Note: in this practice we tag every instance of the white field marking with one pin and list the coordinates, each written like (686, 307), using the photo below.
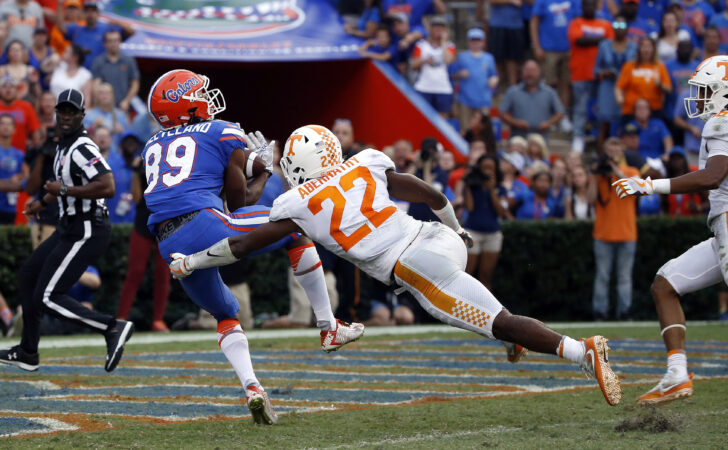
(52, 424)
(196, 336)
(419, 437)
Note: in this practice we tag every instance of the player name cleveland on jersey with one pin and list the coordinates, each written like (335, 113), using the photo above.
(350, 213)
(185, 167)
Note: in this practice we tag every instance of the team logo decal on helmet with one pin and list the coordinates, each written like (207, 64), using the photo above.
(179, 95)
(310, 152)
(708, 88)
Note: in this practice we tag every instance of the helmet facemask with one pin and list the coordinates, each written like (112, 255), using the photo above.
(213, 98)
(711, 95)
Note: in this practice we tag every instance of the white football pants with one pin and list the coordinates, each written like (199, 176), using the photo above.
(432, 268)
(704, 264)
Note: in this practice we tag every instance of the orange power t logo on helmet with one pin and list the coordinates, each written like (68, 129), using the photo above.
(724, 65)
(291, 140)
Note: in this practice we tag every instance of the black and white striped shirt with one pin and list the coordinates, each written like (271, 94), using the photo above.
(78, 161)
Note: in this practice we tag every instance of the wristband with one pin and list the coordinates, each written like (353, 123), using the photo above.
(661, 186)
(249, 164)
(447, 216)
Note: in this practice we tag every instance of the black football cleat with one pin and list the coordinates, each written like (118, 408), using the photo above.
(16, 356)
(116, 337)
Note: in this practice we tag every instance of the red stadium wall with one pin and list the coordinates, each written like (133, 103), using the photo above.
(279, 97)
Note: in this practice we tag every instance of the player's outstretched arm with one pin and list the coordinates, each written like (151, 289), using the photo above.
(715, 171)
(411, 189)
(227, 251)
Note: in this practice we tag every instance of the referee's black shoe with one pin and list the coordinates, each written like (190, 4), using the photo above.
(116, 337)
(16, 356)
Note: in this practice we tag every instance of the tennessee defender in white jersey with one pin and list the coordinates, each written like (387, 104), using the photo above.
(345, 206)
(705, 264)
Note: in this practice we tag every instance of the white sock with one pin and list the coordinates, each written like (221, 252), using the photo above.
(677, 364)
(234, 344)
(307, 268)
(571, 350)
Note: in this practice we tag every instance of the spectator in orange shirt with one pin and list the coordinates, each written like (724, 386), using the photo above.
(615, 231)
(644, 77)
(585, 34)
(71, 14)
(27, 125)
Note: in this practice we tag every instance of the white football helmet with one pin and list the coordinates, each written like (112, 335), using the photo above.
(709, 88)
(310, 152)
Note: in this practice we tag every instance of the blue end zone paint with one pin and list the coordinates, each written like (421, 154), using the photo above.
(9, 425)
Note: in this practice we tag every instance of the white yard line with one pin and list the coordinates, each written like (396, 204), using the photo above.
(196, 336)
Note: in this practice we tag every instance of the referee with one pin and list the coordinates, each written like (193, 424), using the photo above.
(82, 181)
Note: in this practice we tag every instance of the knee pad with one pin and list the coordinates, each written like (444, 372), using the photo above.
(304, 259)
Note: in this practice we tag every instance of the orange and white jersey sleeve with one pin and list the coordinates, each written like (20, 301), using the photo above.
(350, 213)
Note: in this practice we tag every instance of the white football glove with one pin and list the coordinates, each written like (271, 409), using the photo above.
(633, 186)
(264, 149)
(177, 266)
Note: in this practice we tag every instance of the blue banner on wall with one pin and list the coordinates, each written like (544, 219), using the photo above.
(233, 30)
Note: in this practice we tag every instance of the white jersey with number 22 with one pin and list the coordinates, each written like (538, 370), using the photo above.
(350, 213)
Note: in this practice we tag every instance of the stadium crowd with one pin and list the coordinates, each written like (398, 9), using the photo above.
(608, 76)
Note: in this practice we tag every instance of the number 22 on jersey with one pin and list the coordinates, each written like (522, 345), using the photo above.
(333, 193)
(179, 156)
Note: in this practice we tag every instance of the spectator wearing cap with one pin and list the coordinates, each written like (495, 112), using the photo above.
(655, 138)
(22, 16)
(637, 27)
(630, 136)
(42, 57)
(71, 74)
(118, 69)
(720, 22)
(549, 40)
(615, 232)
(105, 114)
(531, 106)
(692, 128)
(482, 200)
(611, 56)
(404, 38)
(697, 15)
(415, 10)
(13, 171)
(25, 74)
(644, 77)
(507, 42)
(431, 59)
(369, 20)
(72, 14)
(91, 35)
(380, 48)
(27, 125)
(477, 76)
(142, 246)
(585, 34)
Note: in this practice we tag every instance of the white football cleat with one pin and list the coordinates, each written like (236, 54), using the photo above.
(332, 340)
(671, 387)
(259, 405)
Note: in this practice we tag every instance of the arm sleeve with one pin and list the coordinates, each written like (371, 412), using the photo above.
(230, 138)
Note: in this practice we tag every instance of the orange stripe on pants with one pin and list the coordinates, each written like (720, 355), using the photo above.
(442, 301)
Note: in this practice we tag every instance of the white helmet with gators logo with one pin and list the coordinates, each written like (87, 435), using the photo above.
(310, 152)
(709, 85)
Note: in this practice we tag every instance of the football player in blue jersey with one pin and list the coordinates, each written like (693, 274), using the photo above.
(191, 164)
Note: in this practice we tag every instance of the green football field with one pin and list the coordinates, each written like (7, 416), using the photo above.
(409, 387)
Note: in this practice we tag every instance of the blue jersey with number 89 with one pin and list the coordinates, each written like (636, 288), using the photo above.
(185, 168)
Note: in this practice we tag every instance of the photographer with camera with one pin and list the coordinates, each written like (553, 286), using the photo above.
(615, 230)
(482, 199)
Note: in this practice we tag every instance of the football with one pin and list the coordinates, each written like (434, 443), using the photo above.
(254, 165)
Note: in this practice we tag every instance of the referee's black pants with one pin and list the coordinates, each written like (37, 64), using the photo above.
(53, 268)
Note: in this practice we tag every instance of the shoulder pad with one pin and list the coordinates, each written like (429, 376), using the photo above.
(716, 127)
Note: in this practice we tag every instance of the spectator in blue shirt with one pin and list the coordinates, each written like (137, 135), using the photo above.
(720, 21)
(637, 27)
(611, 56)
(106, 114)
(535, 203)
(655, 138)
(404, 39)
(475, 69)
(12, 170)
(91, 35)
(380, 48)
(693, 129)
(507, 42)
(548, 26)
(680, 70)
(697, 15)
(651, 11)
(711, 43)
(368, 21)
(122, 208)
(415, 9)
